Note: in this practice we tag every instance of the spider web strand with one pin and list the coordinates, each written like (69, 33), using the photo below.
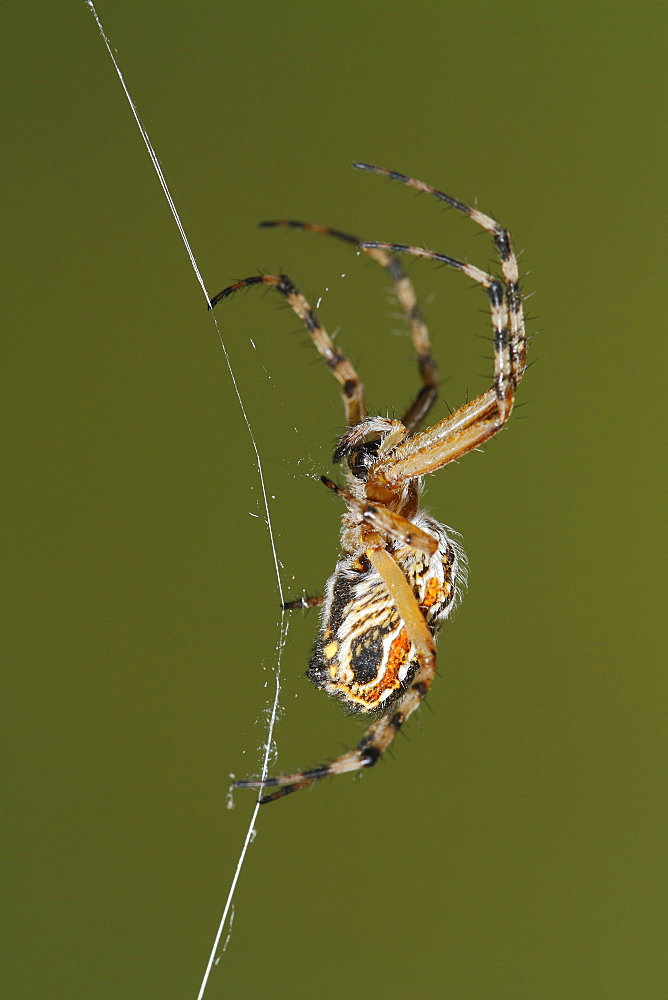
(265, 499)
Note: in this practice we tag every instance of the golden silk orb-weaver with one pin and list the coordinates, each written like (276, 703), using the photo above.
(401, 572)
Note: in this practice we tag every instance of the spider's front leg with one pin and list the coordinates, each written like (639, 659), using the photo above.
(403, 286)
(473, 424)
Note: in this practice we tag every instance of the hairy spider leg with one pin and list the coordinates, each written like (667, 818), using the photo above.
(387, 523)
(338, 363)
(378, 737)
(503, 383)
(303, 603)
(405, 292)
(438, 445)
(504, 247)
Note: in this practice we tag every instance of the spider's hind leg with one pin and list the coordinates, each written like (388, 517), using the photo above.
(380, 734)
(370, 748)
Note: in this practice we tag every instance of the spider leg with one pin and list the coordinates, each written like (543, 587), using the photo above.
(467, 428)
(474, 423)
(405, 293)
(386, 522)
(303, 602)
(504, 247)
(378, 737)
(338, 363)
(505, 379)
(370, 748)
(429, 451)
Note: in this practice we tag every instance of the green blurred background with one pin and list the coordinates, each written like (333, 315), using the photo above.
(512, 846)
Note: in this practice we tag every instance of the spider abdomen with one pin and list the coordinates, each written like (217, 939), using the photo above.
(363, 654)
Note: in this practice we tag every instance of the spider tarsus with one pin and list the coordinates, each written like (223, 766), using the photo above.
(219, 297)
(279, 794)
(256, 279)
(391, 175)
(311, 227)
(302, 603)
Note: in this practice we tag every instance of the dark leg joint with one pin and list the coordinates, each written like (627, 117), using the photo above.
(285, 286)
(495, 292)
(514, 297)
(397, 721)
(370, 755)
(502, 241)
(500, 339)
(396, 270)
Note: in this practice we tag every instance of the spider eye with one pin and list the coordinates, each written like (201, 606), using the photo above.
(361, 459)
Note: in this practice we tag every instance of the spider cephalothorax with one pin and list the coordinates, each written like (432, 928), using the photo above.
(401, 572)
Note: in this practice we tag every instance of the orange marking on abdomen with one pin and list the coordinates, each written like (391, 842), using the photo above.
(433, 593)
(371, 697)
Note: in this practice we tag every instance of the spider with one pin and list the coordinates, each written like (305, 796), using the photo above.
(401, 572)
